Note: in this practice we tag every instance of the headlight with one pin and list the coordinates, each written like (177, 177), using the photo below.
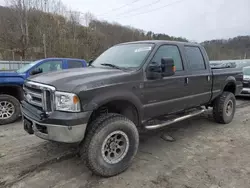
(68, 102)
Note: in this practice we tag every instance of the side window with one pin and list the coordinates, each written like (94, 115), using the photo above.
(51, 66)
(169, 51)
(195, 58)
(74, 64)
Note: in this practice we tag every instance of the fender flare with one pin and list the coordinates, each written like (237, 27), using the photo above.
(105, 98)
(230, 80)
(18, 95)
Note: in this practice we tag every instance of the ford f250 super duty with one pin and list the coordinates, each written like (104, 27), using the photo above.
(143, 85)
(11, 83)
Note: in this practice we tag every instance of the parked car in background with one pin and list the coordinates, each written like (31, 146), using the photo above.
(222, 65)
(238, 63)
(214, 64)
(242, 64)
(11, 82)
(246, 81)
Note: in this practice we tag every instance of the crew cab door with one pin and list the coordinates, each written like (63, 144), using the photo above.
(167, 94)
(199, 76)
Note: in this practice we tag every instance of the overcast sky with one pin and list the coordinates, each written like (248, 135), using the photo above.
(197, 20)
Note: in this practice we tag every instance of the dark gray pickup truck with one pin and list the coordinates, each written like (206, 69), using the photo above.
(130, 87)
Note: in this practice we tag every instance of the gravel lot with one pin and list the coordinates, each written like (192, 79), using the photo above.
(204, 154)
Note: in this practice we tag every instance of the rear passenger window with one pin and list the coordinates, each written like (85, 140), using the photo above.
(169, 51)
(74, 64)
(195, 58)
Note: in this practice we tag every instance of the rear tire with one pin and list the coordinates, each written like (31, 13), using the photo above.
(224, 108)
(9, 109)
(110, 145)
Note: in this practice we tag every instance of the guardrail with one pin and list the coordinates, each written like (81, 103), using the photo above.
(12, 65)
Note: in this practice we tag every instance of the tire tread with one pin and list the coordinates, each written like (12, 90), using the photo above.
(218, 107)
(95, 127)
(17, 108)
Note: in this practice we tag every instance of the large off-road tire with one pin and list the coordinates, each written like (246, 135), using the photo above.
(9, 109)
(224, 108)
(110, 145)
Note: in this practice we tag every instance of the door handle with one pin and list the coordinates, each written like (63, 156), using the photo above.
(208, 78)
(186, 80)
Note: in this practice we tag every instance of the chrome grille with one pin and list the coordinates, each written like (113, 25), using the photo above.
(39, 95)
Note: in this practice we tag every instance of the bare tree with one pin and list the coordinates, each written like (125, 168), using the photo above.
(45, 28)
(17, 25)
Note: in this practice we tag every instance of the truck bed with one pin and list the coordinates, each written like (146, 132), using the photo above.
(220, 76)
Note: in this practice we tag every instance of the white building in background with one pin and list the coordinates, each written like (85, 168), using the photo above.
(12, 65)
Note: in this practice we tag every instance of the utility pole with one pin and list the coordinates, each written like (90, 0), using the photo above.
(44, 36)
(44, 46)
(45, 5)
(13, 55)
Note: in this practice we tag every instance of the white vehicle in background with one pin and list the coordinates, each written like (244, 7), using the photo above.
(242, 64)
(221, 65)
(238, 63)
(246, 81)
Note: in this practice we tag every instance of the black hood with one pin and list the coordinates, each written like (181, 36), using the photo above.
(68, 80)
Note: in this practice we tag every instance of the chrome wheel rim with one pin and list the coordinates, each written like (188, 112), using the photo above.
(7, 109)
(115, 147)
(229, 108)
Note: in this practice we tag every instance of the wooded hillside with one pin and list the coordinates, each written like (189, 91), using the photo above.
(235, 48)
(31, 30)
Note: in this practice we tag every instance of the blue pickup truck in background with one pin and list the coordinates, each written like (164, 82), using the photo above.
(11, 82)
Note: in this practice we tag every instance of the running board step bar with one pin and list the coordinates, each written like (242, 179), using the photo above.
(175, 120)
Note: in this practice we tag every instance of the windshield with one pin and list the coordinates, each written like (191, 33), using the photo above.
(124, 56)
(246, 71)
(27, 67)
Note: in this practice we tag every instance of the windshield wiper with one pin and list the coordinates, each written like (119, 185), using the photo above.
(112, 65)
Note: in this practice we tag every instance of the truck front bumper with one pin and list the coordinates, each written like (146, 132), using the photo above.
(58, 126)
(245, 91)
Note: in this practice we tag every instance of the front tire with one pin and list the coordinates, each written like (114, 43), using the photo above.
(9, 109)
(110, 145)
(224, 108)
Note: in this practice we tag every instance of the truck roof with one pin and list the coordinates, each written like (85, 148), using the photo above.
(57, 58)
(162, 42)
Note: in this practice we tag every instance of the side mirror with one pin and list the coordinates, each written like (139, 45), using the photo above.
(36, 71)
(168, 67)
(154, 71)
(90, 62)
